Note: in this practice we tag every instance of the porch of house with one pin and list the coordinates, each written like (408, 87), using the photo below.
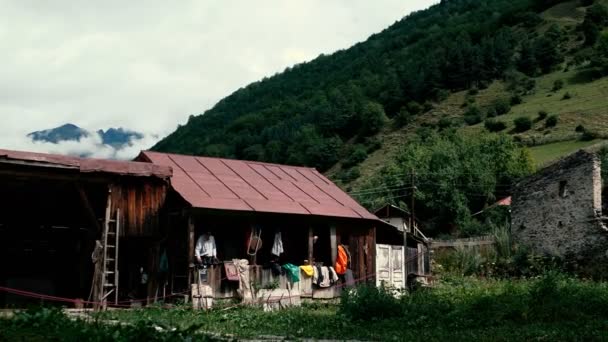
(306, 241)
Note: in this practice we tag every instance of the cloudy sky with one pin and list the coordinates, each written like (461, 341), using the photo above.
(148, 65)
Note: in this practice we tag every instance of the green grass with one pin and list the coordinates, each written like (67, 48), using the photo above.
(552, 307)
(545, 154)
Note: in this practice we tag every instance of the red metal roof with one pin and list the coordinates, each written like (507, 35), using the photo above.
(86, 165)
(225, 184)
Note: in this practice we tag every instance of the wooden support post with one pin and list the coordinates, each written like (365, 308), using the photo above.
(334, 244)
(310, 245)
(191, 242)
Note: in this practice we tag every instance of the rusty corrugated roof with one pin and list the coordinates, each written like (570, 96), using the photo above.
(225, 184)
(86, 165)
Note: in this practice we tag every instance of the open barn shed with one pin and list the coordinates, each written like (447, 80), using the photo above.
(54, 208)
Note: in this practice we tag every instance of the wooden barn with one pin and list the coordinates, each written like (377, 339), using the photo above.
(54, 208)
(125, 233)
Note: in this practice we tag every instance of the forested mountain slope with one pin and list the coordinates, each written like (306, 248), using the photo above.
(531, 72)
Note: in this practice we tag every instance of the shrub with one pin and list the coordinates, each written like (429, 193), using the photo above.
(551, 121)
(473, 91)
(372, 144)
(414, 107)
(491, 113)
(501, 106)
(444, 123)
(579, 128)
(567, 96)
(522, 124)
(557, 85)
(588, 135)
(368, 302)
(542, 115)
(403, 118)
(494, 125)
(358, 155)
(515, 100)
(473, 116)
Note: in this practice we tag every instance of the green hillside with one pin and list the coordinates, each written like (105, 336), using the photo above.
(488, 77)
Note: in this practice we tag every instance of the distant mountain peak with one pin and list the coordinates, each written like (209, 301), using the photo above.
(115, 137)
(67, 132)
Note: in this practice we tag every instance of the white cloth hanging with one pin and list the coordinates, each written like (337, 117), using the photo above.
(277, 247)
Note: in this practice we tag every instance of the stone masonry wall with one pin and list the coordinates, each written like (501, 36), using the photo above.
(555, 211)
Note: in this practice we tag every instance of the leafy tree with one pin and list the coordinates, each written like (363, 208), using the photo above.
(456, 175)
(372, 118)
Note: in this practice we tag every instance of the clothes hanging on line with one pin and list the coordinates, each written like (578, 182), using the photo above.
(308, 270)
(277, 247)
(205, 246)
(342, 260)
(293, 272)
(324, 276)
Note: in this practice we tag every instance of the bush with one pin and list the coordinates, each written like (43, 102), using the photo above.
(557, 85)
(473, 91)
(522, 124)
(473, 116)
(444, 123)
(515, 100)
(358, 155)
(369, 303)
(494, 125)
(501, 106)
(542, 115)
(579, 128)
(403, 118)
(588, 135)
(551, 121)
(567, 96)
(491, 113)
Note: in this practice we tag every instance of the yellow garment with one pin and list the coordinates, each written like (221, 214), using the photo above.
(308, 270)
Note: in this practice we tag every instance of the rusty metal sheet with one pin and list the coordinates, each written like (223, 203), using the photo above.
(263, 171)
(188, 164)
(260, 187)
(89, 164)
(240, 187)
(330, 210)
(316, 193)
(292, 191)
(281, 207)
(216, 166)
(295, 174)
(313, 177)
(280, 173)
(221, 204)
(211, 185)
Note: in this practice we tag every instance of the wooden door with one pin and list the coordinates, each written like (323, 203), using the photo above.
(389, 266)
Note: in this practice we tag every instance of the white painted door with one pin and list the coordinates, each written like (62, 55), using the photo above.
(389, 266)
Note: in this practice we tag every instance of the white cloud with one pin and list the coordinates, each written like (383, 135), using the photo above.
(148, 65)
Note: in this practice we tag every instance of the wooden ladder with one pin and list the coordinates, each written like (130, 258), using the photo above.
(110, 239)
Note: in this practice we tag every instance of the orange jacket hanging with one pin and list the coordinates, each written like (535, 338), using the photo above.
(341, 260)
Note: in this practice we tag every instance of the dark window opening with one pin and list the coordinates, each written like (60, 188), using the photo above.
(563, 189)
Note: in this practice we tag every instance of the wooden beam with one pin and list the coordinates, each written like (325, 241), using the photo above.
(88, 208)
(190, 237)
(334, 244)
(310, 245)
